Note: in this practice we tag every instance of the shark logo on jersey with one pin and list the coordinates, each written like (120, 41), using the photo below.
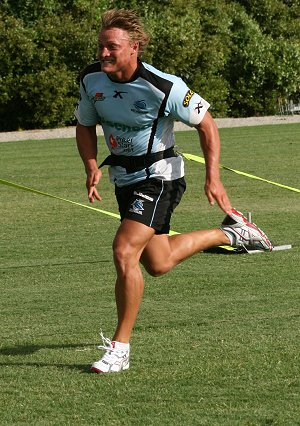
(99, 96)
(140, 107)
(140, 104)
(137, 207)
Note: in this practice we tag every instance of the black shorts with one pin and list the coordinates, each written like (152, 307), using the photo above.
(151, 202)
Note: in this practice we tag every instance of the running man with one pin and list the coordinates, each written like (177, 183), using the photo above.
(136, 105)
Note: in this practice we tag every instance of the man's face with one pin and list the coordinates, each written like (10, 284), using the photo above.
(117, 54)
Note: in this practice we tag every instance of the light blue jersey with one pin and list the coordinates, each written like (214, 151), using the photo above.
(138, 117)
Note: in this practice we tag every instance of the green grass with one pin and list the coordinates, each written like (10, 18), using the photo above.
(217, 339)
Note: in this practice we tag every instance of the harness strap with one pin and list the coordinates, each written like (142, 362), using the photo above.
(139, 162)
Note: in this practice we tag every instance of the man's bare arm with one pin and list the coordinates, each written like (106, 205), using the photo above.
(86, 138)
(210, 144)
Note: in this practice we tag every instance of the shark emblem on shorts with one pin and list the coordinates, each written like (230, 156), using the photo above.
(137, 206)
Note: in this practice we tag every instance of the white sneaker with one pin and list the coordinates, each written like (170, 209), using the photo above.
(243, 233)
(115, 359)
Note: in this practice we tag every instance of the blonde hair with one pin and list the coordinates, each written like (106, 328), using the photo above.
(129, 21)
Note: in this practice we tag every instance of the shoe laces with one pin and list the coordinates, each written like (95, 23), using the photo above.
(107, 344)
(112, 354)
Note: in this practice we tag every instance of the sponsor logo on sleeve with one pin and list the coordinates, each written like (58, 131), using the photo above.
(187, 98)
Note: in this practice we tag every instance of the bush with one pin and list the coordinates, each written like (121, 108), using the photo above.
(240, 55)
(41, 55)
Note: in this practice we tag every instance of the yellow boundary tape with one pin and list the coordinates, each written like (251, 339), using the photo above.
(46, 194)
(201, 160)
(192, 157)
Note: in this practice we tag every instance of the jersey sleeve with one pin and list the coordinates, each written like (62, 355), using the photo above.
(185, 105)
(85, 111)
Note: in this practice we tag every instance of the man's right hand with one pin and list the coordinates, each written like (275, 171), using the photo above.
(93, 178)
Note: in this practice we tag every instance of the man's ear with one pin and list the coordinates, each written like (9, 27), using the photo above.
(135, 46)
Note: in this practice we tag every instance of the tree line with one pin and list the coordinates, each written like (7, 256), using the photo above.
(242, 56)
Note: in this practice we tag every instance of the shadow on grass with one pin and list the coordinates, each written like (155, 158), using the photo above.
(220, 250)
(55, 264)
(30, 349)
(84, 368)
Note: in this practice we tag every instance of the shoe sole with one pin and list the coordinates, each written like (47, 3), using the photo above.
(96, 370)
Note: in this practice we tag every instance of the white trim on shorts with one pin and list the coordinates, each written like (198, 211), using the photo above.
(158, 198)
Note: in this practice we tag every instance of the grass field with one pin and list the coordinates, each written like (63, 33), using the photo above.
(217, 339)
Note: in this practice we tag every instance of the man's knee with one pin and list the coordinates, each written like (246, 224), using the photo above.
(122, 251)
(156, 270)
(130, 241)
